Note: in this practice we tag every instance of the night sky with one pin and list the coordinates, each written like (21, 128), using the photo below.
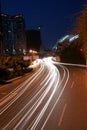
(55, 17)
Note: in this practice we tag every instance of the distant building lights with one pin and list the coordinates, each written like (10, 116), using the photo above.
(30, 51)
(6, 49)
(39, 28)
(9, 31)
(73, 38)
(24, 52)
(81, 49)
(33, 51)
(20, 50)
(62, 39)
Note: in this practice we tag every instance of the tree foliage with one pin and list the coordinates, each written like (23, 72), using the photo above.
(81, 29)
(72, 54)
(13, 66)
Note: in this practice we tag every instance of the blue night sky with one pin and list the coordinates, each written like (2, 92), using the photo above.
(54, 16)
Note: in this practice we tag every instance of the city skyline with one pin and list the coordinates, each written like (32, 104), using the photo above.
(55, 18)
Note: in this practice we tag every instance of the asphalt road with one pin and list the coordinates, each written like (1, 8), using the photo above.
(53, 98)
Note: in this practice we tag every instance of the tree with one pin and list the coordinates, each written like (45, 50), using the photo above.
(81, 29)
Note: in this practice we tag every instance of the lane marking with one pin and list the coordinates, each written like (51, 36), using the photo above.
(72, 84)
(64, 68)
(62, 115)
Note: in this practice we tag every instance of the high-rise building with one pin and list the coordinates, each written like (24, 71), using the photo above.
(33, 39)
(14, 36)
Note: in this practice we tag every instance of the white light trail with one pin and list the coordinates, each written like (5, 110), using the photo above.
(49, 79)
(56, 100)
(41, 98)
(20, 90)
(47, 86)
(44, 109)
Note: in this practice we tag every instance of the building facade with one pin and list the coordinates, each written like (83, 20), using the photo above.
(33, 39)
(14, 37)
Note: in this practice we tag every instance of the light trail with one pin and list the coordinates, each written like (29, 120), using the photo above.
(20, 90)
(50, 98)
(37, 103)
(41, 99)
(56, 100)
(44, 108)
(46, 82)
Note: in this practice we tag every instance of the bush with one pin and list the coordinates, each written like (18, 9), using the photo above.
(16, 63)
(73, 55)
(4, 74)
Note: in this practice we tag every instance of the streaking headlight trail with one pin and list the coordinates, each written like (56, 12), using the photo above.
(33, 98)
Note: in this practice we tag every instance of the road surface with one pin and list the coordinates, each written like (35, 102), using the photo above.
(53, 98)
